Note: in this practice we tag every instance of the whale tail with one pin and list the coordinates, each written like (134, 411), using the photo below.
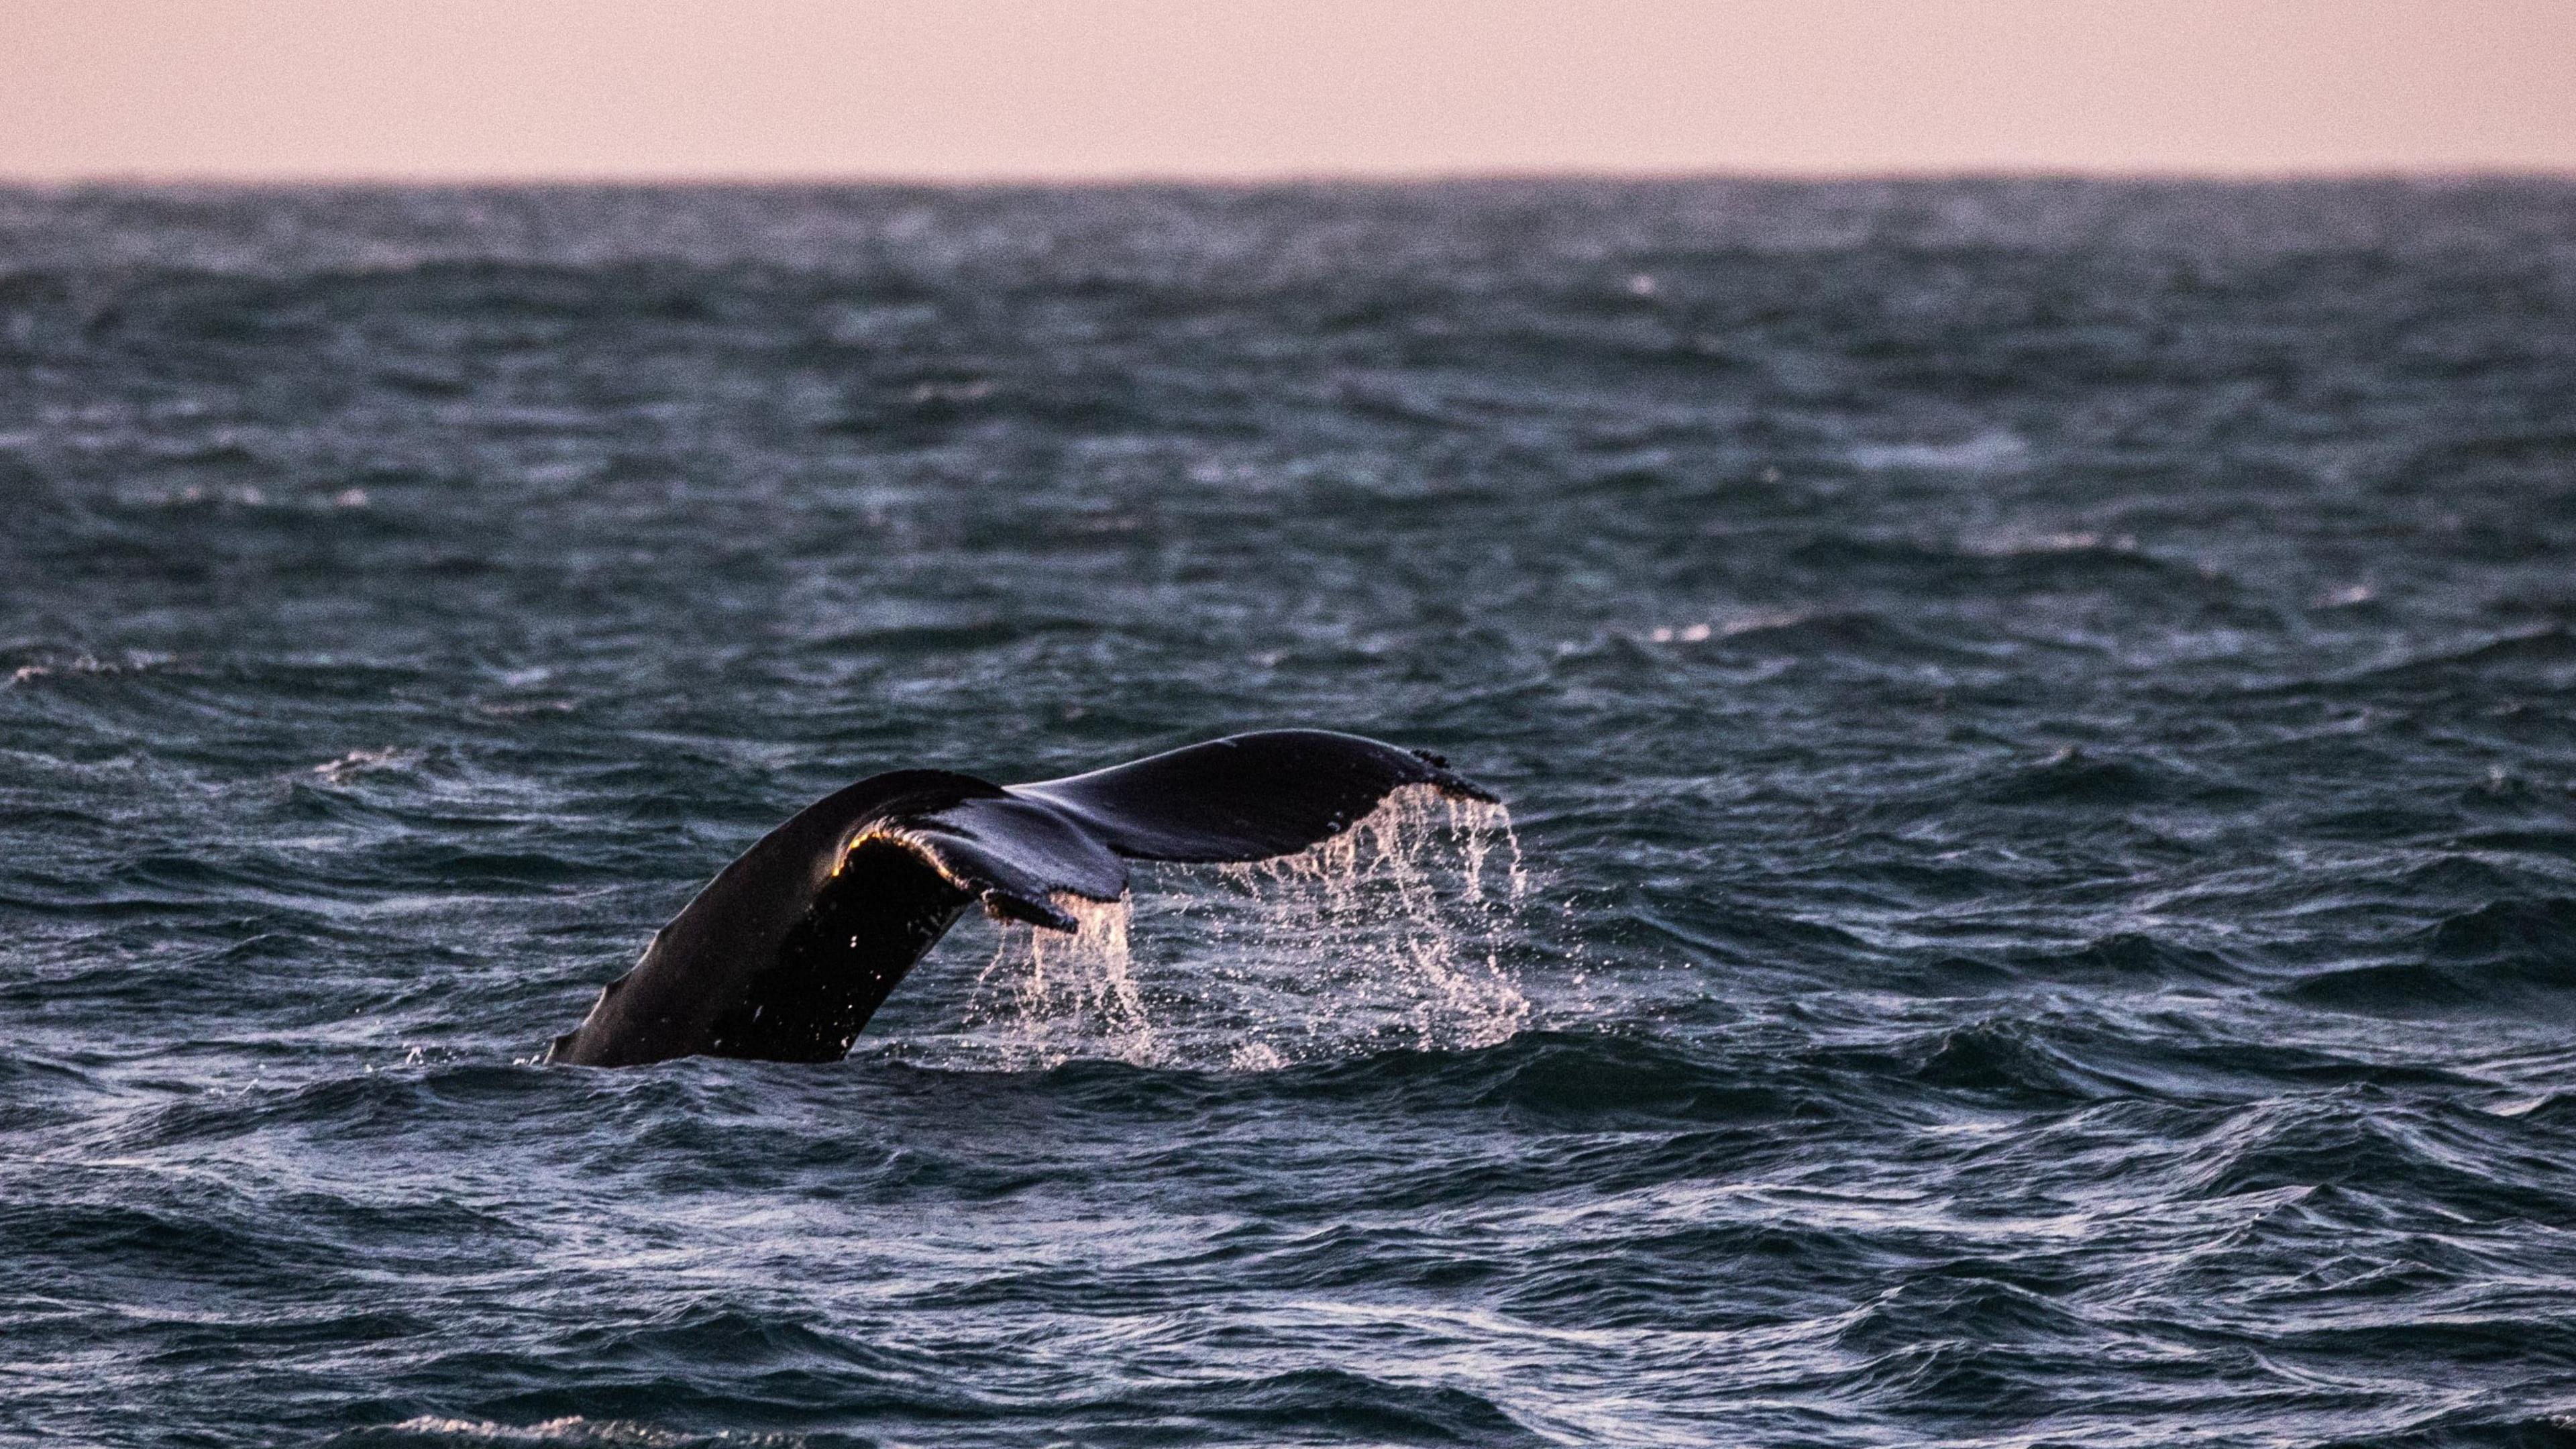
(1250, 797)
(790, 949)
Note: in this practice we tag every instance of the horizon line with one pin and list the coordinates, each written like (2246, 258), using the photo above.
(1253, 181)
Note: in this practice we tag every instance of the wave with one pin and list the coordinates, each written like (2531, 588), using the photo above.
(2545, 655)
(2356, 1162)
(2126, 960)
(2019, 1059)
(2073, 776)
(2074, 560)
(2505, 956)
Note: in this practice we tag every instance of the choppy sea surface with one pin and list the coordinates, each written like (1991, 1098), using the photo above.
(2039, 901)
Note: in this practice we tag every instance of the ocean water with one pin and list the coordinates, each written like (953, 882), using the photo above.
(2038, 903)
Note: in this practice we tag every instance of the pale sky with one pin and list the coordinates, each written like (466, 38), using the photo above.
(1092, 89)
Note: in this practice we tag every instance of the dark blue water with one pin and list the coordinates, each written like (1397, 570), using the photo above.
(2040, 721)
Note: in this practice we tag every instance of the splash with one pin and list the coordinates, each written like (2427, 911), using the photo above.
(1390, 934)
(1061, 994)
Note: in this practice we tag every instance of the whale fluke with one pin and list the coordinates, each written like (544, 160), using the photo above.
(790, 949)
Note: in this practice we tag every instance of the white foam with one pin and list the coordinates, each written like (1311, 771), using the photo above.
(132, 661)
(571, 1429)
(1993, 451)
(359, 762)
